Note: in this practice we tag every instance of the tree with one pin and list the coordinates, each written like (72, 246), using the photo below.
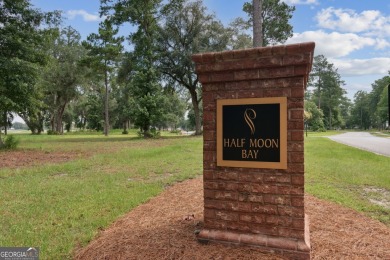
(360, 114)
(375, 96)
(21, 37)
(63, 77)
(273, 21)
(173, 107)
(257, 23)
(186, 29)
(314, 116)
(383, 107)
(103, 52)
(328, 93)
(146, 89)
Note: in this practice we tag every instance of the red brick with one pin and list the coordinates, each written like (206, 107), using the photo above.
(283, 92)
(296, 168)
(296, 157)
(263, 52)
(298, 92)
(226, 195)
(301, 70)
(209, 213)
(255, 198)
(250, 94)
(208, 194)
(204, 78)
(245, 187)
(208, 175)
(295, 103)
(221, 77)
(227, 55)
(295, 147)
(296, 212)
(214, 224)
(209, 156)
(278, 50)
(245, 75)
(264, 229)
(209, 136)
(272, 178)
(277, 199)
(258, 218)
(297, 190)
(226, 175)
(209, 146)
(208, 116)
(245, 207)
(208, 57)
(265, 202)
(269, 61)
(298, 180)
(265, 209)
(245, 217)
(298, 223)
(278, 220)
(296, 135)
(239, 54)
(227, 216)
(250, 177)
(291, 233)
(295, 114)
(291, 125)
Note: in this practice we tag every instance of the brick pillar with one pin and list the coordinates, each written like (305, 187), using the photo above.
(259, 207)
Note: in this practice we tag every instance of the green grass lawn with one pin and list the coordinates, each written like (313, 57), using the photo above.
(348, 176)
(61, 207)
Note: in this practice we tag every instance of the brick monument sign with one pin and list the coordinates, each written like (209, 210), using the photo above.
(253, 147)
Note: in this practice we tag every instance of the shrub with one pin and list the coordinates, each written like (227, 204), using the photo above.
(176, 131)
(9, 142)
(50, 132)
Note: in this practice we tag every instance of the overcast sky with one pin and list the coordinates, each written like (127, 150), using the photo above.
(352, 34)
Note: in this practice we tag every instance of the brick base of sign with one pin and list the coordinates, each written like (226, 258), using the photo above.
(291, 248)
(260, 206)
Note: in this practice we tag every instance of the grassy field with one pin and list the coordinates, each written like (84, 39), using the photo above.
(348, 176)
(60, 207)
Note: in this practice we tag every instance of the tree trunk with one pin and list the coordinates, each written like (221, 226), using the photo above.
(59, 128)
(5, 123)
(195, 104)
(1, 140)
(257, 23)
(106, 117)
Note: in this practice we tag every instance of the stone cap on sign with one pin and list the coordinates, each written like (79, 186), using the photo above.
(281, 61)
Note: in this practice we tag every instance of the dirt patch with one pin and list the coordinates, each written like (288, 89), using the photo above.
(24, 158)
(378, 196)
(165, 227)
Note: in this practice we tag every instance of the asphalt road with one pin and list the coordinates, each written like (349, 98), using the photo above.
(364, 141)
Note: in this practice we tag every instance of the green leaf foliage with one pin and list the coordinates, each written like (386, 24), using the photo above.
(275, 16)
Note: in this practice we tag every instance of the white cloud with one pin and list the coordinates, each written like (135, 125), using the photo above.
(300, 2)
(334, 44)
(360, 67)
(369, 22)
(71, 14)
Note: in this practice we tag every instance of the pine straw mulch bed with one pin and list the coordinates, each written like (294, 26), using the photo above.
(164, 228)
